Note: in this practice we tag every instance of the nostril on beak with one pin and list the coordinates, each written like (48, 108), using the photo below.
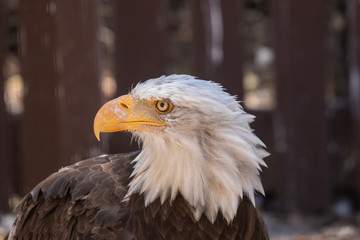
(123, 105)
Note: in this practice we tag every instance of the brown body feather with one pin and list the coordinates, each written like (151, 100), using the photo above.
(85, 201)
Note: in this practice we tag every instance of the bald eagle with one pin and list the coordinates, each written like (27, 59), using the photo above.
(195, 177)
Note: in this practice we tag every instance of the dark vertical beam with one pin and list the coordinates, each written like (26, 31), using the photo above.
(140, 32)
(199, 53)
(354, 63)
(40, 150)
(3, 145)
(77, 67)
(59, 65)
(217, 42)
(5, 172)
(140, 41)
(300, 64)
(231, 69)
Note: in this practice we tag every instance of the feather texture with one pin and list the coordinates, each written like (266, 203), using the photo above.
(84, 201)
(81, 201)
(207, 151)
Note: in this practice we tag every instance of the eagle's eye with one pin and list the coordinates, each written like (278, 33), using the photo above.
(163, 106)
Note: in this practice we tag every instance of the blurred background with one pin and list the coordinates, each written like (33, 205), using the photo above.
(294, 64)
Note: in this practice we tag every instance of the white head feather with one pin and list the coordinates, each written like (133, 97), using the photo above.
(207, 151)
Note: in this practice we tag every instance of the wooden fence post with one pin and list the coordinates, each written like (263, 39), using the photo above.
(5, 168)
(300, 28)
(217, 42)
(59, 54)
(354, 73)
(140, 32)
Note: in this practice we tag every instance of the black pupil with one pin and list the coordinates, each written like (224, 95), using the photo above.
(162, 105)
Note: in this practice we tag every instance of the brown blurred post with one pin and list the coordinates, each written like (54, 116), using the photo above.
(354, 58)
(3, 145)
(5, 173)
(59, 51)
(217, 42)
(140, 31)
(300, 28)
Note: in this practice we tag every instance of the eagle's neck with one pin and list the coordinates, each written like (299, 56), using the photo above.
(211, 175)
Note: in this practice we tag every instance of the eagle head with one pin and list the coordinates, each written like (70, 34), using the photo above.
(196, 141)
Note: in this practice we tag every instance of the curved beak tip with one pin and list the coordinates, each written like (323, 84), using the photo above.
(97, 129)
(97, 135)
(107, 117)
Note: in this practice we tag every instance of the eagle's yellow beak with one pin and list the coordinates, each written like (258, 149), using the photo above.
(125, 113)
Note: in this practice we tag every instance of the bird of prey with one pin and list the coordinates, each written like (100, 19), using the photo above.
(194, 178)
